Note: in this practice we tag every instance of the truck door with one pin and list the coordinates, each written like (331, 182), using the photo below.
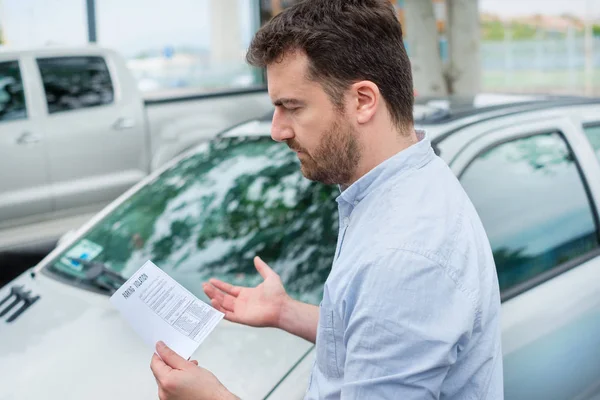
(24, 182)
(95, 131)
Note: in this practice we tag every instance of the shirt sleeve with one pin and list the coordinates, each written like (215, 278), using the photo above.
(404, 327)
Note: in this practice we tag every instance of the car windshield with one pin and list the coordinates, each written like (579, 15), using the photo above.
(210, 214)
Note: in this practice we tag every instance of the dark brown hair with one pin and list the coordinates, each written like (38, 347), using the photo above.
(346, 41)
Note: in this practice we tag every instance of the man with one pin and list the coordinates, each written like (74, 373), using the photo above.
(411, 308)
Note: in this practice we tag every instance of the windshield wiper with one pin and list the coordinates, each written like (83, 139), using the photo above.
(111, 280)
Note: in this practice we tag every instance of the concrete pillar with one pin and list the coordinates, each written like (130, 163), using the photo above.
(589, 51)
(226, 43)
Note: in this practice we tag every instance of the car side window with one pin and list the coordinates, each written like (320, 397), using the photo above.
(592, 132)
(534, 206)
(73, 83)
(12, 93)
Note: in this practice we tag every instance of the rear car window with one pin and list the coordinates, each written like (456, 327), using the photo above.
(534, 206)
(12, 94)
(73, 83)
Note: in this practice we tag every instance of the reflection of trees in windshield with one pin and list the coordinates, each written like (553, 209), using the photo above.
(213, 212)
(299, 237)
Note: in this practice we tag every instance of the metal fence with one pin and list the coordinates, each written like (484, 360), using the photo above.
(555, 65)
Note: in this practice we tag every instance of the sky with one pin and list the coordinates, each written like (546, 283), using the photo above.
(131, 26)
(127, 25)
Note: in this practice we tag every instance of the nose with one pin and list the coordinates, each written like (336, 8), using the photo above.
(280, 128)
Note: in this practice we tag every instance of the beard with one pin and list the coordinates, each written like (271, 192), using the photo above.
(335, 159)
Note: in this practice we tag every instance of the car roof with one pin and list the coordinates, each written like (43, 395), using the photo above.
(440, 109)
(448, 110)
(442, 116)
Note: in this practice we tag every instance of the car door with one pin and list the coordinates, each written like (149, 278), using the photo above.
(24, 184)
(95, 131)
(535, 190)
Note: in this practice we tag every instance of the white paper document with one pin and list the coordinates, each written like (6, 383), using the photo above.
(159, 308)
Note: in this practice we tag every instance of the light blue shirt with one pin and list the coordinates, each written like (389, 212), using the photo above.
(411, 308)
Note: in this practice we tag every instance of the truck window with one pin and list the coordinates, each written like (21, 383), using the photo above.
(12, 95)
(73, 83)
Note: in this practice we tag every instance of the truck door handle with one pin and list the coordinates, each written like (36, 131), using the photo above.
(28, 138)
(123, 123)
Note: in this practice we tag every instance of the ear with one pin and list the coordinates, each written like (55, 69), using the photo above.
(367, 96)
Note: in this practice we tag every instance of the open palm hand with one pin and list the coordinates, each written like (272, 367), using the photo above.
(260, 306)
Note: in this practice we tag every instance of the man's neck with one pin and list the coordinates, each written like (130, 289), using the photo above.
(376, 152)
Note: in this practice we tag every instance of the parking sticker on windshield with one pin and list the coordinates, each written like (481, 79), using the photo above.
(85, 249)
(158, 308)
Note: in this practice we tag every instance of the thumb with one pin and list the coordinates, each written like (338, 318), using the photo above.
(263, 269)
(170, 358)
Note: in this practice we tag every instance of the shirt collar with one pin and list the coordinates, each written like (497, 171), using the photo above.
(412, 157)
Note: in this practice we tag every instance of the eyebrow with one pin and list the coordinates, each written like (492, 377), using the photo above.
(288, 102)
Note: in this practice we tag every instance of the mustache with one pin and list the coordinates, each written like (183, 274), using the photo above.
(295, 146)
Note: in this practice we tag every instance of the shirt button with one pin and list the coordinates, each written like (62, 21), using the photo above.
(346, 221)
(355, 202)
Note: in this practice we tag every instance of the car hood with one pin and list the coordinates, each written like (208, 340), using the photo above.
(72, 344)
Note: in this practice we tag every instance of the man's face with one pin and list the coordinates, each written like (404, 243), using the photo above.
(311, 125)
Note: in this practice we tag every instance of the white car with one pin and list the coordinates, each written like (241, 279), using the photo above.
(529, 164)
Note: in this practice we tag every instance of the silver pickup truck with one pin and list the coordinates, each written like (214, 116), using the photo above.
(75, 133)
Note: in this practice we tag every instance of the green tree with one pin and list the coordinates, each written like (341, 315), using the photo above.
(492, 30)
(496, 31)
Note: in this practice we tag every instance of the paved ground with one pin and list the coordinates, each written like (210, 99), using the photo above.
(13, 264)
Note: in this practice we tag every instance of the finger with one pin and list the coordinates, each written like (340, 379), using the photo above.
(263, 269)
(217, 306)
(194, 362)
(229, 303)
(232, 317)
(226, 287)
(219, 299)
(221, 306)
(212, 292)
(159, 368)
(170, 358)
(229, 315)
